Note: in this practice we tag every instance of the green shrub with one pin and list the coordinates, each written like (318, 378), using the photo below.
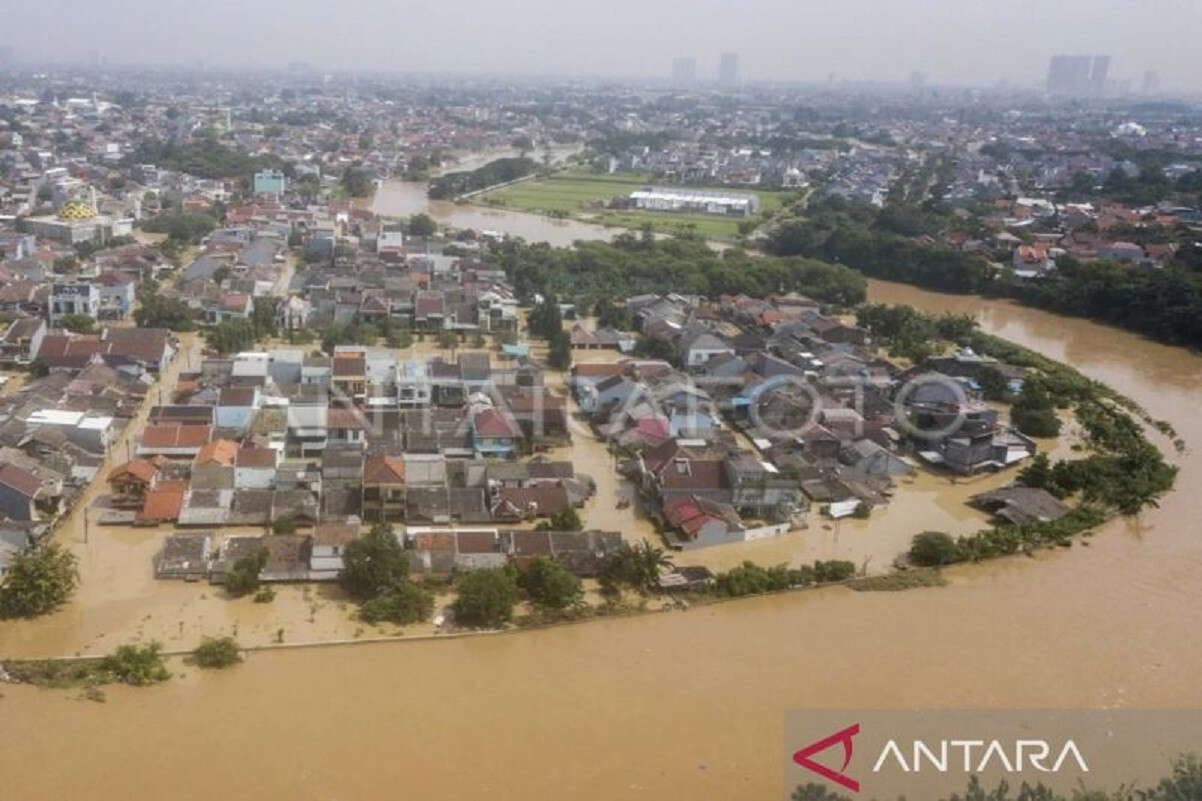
(243, 577)
(550, 585)
(217, 652)
(933, 548)
(404, 603)
(486, 598)
(136, 664)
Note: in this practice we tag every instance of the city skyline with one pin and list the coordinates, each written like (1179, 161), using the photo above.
(859, 41)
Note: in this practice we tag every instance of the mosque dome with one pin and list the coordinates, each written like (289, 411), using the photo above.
(76, 210)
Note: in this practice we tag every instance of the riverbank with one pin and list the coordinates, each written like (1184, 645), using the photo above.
(584, 196)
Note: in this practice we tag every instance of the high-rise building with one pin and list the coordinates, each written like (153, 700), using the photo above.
(684, 71)
(728, 70)
(1074, 75)
(1151, 81)
(1101, 71)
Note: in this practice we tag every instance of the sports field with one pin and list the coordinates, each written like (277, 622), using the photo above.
(584, 195)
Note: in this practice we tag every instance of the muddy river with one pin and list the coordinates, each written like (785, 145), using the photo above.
(677, 704)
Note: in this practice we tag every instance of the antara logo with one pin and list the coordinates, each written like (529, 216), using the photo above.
(943, 756)
(844, 738)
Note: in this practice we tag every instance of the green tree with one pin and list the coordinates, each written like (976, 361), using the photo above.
(356, 182)
(136, 664)
(422, 225)
(546, 319)
(833, 570)
(566, 519)
(1184, 784)
(448, 340)
(243, 576)
(993, 383)
(658, 347)
(285, 525)
(373, 564)
(1038, 473)
(934, 548)
(636, 566)
(79, 323)
(263, 317)
(181, 227)
(231, 336)
(404, 339)
(39, 580)
(550, 585)
(1034, 412)
(486, 597)
(403, 602)
(217, 652)
(156, 311)
(559, 354)
(815, 792)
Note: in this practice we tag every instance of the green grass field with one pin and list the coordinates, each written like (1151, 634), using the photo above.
(583, 195)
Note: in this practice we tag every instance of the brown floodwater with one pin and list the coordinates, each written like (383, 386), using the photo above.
(674, 704)
(405, 198)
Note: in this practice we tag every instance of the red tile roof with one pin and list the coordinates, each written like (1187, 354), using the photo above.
(491, 423)
(20, 480)
(222, 451)
(168, 435)
(137, 468)
(383, 470)
(163, 502)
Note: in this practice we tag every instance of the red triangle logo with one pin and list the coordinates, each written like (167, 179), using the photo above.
(803, 757)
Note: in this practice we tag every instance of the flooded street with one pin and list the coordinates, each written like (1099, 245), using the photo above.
(680, 704)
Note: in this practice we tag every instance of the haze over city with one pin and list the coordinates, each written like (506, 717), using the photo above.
(727, 399)
(784, 40)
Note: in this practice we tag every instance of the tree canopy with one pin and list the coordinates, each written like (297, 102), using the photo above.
(39, 580)
(486, 597)
(373, 563)
(495, 172)
(550, 585)
(632, 265)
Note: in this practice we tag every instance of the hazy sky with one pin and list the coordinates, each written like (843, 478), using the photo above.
(955, 41)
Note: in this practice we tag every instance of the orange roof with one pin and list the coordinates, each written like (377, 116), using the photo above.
(168, 435)
(163, 502)
(138, 468)
(220, 451)
(383, 470)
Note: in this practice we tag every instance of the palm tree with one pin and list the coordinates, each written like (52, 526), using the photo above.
(648, 560)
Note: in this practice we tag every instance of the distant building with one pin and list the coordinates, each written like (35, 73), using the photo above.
(728, 70)
(76, 298)
(1078, 75)
(75, 222)
(1100, 74)
(684, 71)
(1151, 81)
(705, 201)
(270, 182)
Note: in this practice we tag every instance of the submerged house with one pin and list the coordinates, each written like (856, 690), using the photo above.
(1021, 506)
(698, 522)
